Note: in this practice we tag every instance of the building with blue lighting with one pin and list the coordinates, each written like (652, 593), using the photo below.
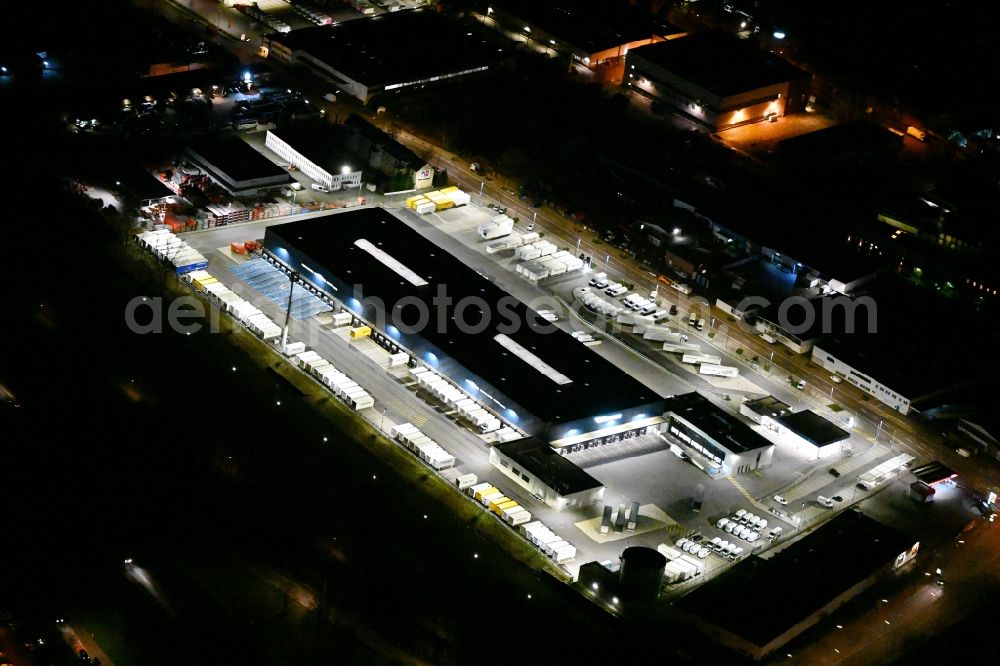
(419, 299)
(727, 442)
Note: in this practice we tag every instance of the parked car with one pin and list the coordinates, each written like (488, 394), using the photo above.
(531, 226)
(780, 500)
(834, 473)
(835, 379)
(837, 498)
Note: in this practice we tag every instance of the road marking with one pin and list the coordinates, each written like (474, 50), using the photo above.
(404, 410)
(739, 487)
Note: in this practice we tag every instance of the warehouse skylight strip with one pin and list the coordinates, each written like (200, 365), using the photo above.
(532, 360)
(389, 261)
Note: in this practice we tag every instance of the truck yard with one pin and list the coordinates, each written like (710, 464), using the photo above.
(428, 423)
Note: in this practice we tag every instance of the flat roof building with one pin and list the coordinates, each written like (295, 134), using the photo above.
(731, 445)
(453, 320)
(766, 407)
(390, 52)
(544, 473)
(589, 31)
(810, 430)
(716, 79)
(236, 167)
(145, 188)
(883, 365)
(319, 151)
(851, 551)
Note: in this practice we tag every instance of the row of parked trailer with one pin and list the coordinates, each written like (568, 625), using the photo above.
(500, 226)
(248, 314)
(313, 14)
(550, 543)
(494, 500)
(170, 248)
(551, 265)
(680, 567)
(338, 382)
(538, 249)
(422, 446)
(511, 242)
(467, 408)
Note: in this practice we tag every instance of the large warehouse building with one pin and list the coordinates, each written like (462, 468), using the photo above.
(390, 52)
(421, 299)
(716, 79)
(591, 32)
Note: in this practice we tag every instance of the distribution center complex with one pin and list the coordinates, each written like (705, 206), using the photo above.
(420, 299)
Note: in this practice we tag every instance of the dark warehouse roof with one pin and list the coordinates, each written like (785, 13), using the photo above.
(719, 62)
(846, 551)
(723, 427)
(596, 387)
(555, 471)
(397, 47)
(813, 428)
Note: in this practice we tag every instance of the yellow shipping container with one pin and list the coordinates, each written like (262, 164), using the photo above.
(204, 282)
(486, 491)
(497, 502)
(500, 508)
(411, 202)
(449, 190)
(360, 332)
(445, 205)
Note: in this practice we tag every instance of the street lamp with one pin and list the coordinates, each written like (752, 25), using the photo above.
(293, 278)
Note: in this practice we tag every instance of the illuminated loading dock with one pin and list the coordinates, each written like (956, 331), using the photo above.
(729, 444)
(534, 376)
